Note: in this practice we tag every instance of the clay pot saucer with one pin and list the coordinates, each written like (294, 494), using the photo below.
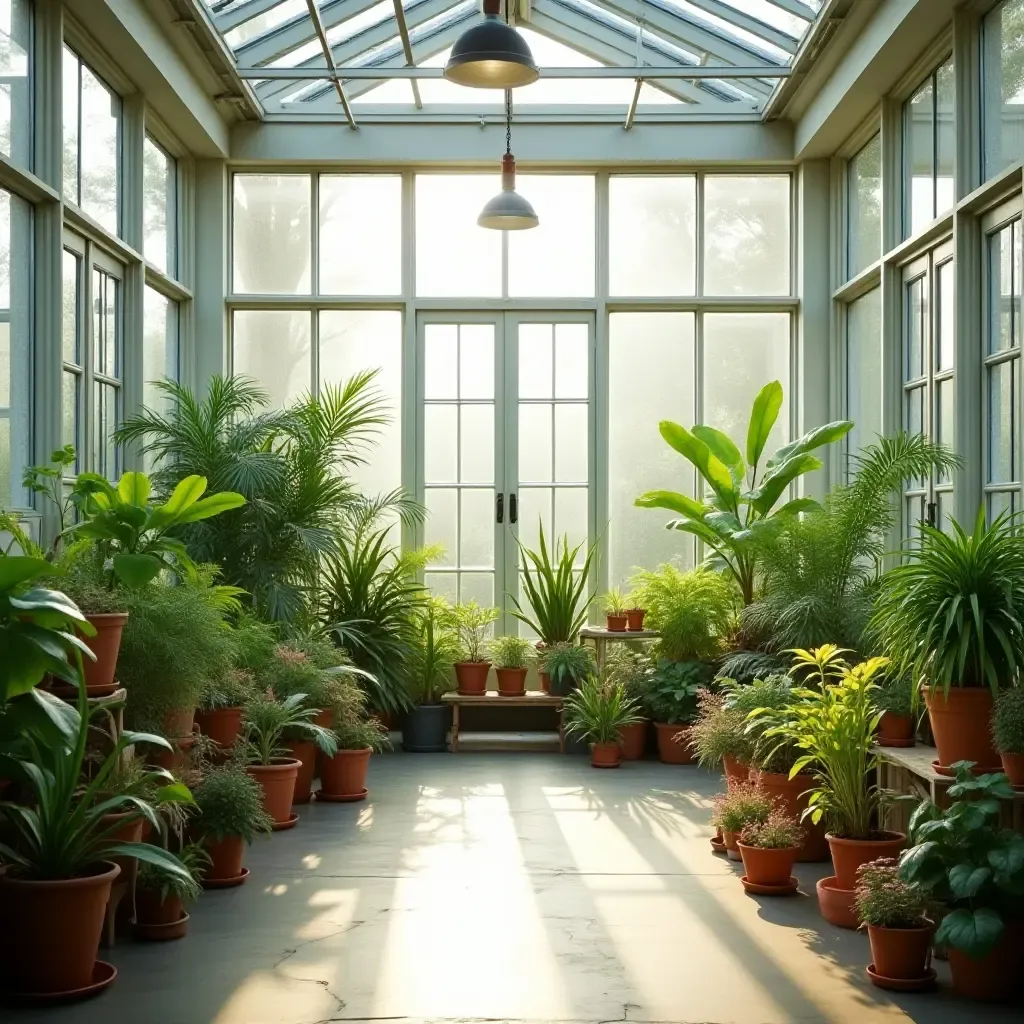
(884, 742)
(226, 883)
(717, 846)
(949, 773)
(103, 974)
(922, 984)
(789, 889)
(162, 932)
(341, 798)
(281, 826)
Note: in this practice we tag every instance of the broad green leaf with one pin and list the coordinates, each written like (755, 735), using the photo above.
(151, 855)
(762, 418)
(16, 569)
(136, 570)
(134, 489)
(965, 880)
(774, 485)
(673, 502)
(723, 448)
(972, 932)
(187, 493)
(812, 439)
(797, 505)
(708, 465)
(207, 507)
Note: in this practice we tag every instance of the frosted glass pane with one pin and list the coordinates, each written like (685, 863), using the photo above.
(479, 587)
(477, 440)
(272, 234)
(571, 449)
(477, 529)
(273, 347)
(945, 415)
(916, 327)
(535, 444)
(444, 585)
(652, 235)
(441, 361)
(536, 361)
(945, 138)
(1002, 91)
(69, 307)
(441, 526)
(746, 235)
(650, 378)
(100, 145)
(16, 108)
(534, 508)
(742, 353)
(440, 443)
(476, 361)
(159, 194)
(865, 207)
(571, 363)
(69, 116)
(571, 518)
(556, 258)
(360, 234)
(864, 369)
(919, 157)
(1002, 301)
(454, 255)
(159, 347)
(352, 341)
(947, 319)
(1002, 461)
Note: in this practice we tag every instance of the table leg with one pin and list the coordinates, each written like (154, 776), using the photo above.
(601, 654)
(561, 729)
(455, 728)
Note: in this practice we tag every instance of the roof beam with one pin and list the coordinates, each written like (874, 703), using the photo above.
(403, 31)
(769, 33)
(631, 113)
(314, 14)
(380, 71)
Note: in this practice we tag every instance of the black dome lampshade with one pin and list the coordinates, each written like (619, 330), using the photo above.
(508, 210)
(491, 55)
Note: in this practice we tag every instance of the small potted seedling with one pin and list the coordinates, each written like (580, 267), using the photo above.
(595, 712)
(472, 626)
(1008, 732)
(635, 615)
(615, 611)
(768, 849)
(160, 898)
(895, 699)
(511, 656)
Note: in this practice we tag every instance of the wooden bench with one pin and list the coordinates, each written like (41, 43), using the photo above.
(532, 699)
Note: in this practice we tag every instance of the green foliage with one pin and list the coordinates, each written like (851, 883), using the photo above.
(255, 642)
(719, 731)
(596, 711)
(231, 690)
(614, 603)
(289, 465)
(292, 671)
(555, 588)
(195, 860)
(742, 806)
(87, 583)
(745, 493)
(48, 481)
(628, 665)
(746, 666)
(230, 803)
(266, 720)
(895, 694)
(779, 831)
(694, 610)
(511, 652)
(672, 689)
(1008, 721)
(434, 652)
(473, 625)
(568, 666)
(754, 702)
(885, 899)
(360, 733)
(953, 615)
(967, 862)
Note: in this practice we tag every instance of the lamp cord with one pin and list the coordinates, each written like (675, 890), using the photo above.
(508, 120)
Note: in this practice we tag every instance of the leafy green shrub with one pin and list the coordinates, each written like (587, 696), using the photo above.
(510, 652)
(673, 686)
(360, 733)
(88, 585)
(719, 731)
(895, 695)
(568, 665)
(473, 625)
(231, 690)
(775, 695)
(596, 711)
(267, 722)
(740, 807)
(779, 831)
(230, 803)
(433, 653)
(1008, 721)
(195, 860)
(885, 900)
(629, 665)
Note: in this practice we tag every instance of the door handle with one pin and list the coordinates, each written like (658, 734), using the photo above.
(513, 509)
(499, 508)
(933, 509)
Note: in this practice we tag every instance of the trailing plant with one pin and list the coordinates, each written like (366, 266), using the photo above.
(745, 493)
(360, 733)
(779, 831)
(266, 720)
(719, 732)
(229, 803)
(1008, 721)
(895, 694)
(195, 860)
(966, 862)
(473, 626)
(568, 665)
(742, 806)
(511, 652)
(774, 695)
(693, 610)
(884, 899)
(673, 686)
(953, 615)
(597, 710)
(291, 466)
(555, 588)
(433, 654)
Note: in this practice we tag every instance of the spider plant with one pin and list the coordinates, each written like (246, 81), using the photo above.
(266, 720)
(599, 709)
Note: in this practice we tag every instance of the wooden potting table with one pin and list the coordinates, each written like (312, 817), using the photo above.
(600, 638)
(493, 699)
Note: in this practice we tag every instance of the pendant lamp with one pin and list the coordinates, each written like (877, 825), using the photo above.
(508, 210)
(491, 55)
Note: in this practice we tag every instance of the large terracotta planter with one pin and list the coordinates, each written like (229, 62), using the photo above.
(174, 759)
(671, 751)
(900, 953)
(303, 751)
(344, 774)
(106, 644)
(324, 718)
(1013, 765)
(997, 977)
(226, 859)
(633, 741)
(767, 867)
(961, 724)
(895, 731)
(792, 795)
(51, 931)
(849, 854)
(278, 782)
(737, 772)
(605, 755)
(222, 725)
(511, 681)
(472, 677)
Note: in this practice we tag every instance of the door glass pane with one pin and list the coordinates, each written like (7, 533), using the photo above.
(273, 347)
(476, 361)
(442, 524)
(476, 444)
(571, 364)
(536, 443)
(1001, 423)
(441, 428)
(947, 318)
(572, 518)
(916, 328)
(571, 449)
(477, 519)
(919, 157)
(536, 364)
(441, 361)
(271, 234)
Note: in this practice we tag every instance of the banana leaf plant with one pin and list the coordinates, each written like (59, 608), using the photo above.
(744, 493)
(134, 536)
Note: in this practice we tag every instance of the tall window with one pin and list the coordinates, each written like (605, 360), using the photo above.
(15, 81)
(160, 207)
(92, 143)
(864, 208)
(160, 359)
(1003, 86)
(929, 150)
(864, 370)
(74, 358)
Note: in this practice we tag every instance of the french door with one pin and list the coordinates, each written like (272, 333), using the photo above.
(505, 443)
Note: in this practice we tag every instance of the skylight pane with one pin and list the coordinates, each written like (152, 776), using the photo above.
(264, 23)
(727, 29)
(771, 15)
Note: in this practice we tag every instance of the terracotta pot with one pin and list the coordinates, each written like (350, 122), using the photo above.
(635, 619)
(961, 723)
(737, 772)
(732, 845)
(1013, 765)
(345, 773)
(472, 676)
(633, 741)
(324, 718)
(837, 905)
(545, 682)
(173, 759)
(995, 978)
(129, 831)
(222, 725)
(616, 623)
(278, 782)
(303, 751)
(511, 681)
(900, 952)
(895, 731)
(179, 722)
(51, 932)
(849, 854)
(151, 908)
(767, 867)
(669, 750)
(100, 674)
(605, 755)
(226, 857)
(792, 795)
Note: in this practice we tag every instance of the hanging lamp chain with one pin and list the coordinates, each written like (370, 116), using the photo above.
(508, 120)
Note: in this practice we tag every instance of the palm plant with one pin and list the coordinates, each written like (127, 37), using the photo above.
(598, 710)
(289, 466)
(555, 588)
(266, 720)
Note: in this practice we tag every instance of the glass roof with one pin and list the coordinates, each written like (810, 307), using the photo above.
(312, 57)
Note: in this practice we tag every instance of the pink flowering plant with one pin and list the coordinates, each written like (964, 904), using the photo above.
(779, 831)
(885, 900)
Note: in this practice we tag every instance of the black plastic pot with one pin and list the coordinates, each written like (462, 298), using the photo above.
(425, 729)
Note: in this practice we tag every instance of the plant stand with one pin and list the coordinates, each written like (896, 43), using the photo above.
(600, 638)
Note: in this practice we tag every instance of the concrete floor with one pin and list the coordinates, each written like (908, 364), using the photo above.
(505, 887)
